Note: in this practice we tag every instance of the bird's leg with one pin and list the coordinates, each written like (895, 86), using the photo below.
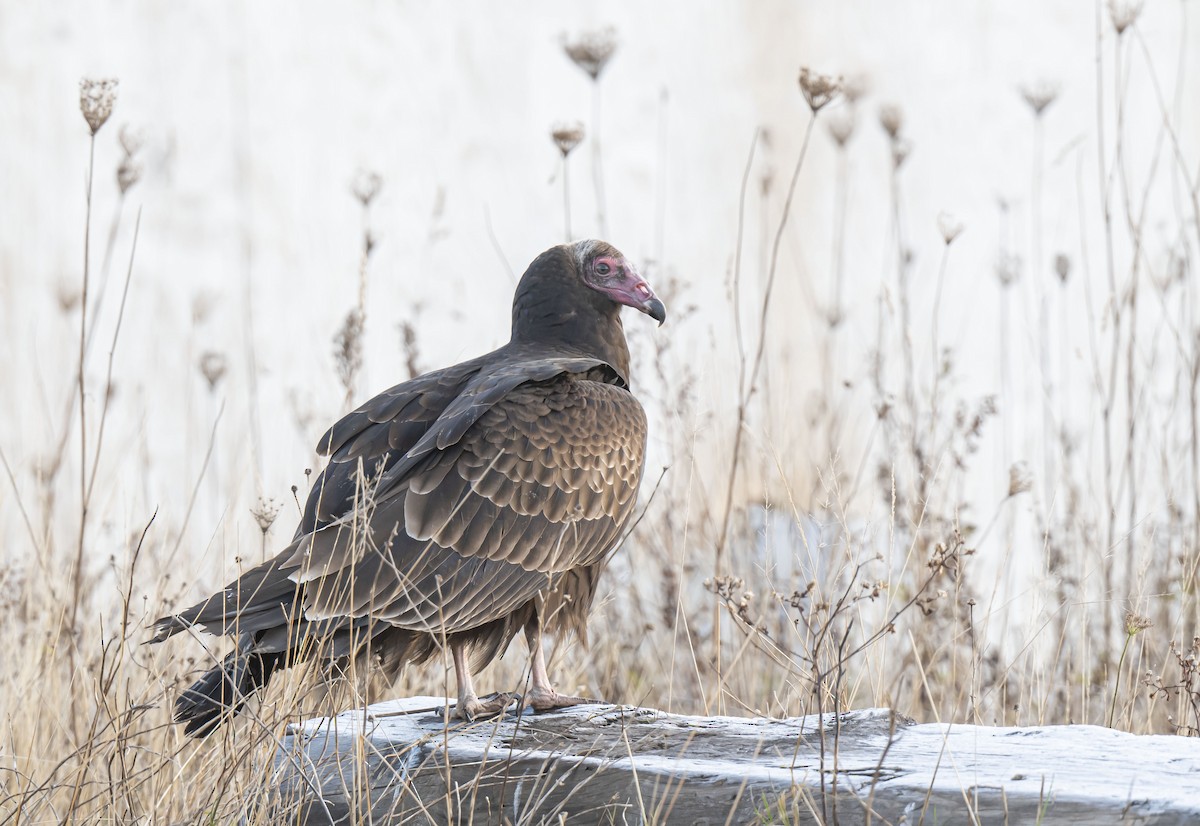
(469, 705)
(541, 695)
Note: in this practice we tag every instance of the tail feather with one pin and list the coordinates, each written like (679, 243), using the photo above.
(223, 690)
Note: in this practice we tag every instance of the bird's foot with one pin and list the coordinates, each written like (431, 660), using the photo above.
(542, 699)
(472, 708)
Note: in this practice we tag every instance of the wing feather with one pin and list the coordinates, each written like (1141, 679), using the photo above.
(525, 495)
(527, 476)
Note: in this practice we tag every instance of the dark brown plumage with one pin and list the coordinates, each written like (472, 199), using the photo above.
(457, 508)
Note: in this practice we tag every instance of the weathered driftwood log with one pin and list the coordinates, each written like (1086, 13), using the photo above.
(400, 763)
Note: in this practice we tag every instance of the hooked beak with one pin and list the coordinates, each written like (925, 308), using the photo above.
(633, 291)
(655, 309)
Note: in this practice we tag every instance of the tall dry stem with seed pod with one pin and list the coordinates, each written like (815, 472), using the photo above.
(857, 498)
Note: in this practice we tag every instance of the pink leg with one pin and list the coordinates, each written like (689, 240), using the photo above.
(541, 695)
(469, 705)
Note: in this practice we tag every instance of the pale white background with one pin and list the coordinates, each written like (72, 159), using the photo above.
(257, 115)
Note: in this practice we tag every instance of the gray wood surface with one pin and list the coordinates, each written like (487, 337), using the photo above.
(398, 762)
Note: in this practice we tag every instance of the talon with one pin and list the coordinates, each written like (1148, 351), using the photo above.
(472, 708)
(540, 699)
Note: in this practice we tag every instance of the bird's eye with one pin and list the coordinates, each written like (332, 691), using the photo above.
(603, 268)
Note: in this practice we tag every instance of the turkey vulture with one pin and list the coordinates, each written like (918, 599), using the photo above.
(457, 508)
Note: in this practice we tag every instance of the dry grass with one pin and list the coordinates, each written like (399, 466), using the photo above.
(788, 562)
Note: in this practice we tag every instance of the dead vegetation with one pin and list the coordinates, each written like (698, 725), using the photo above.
(876, 576)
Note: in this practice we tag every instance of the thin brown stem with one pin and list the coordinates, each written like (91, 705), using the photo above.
(1106, 409)
(597, 169)
(937, 358)
(746, 389)
(112, 350)
(77, 571)
(566, 197)
(1039, 282)
(109, 245)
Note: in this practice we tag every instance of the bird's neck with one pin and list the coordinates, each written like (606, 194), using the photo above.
(585, 324)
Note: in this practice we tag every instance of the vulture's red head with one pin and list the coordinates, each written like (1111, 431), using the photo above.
(569, 300)
(604, 269)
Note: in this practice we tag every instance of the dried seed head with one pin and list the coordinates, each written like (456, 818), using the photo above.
(366, 186)
(891, 118)
(1008, 268)
(264, 513)
(818, 90)
(202, 306)
(766, 181)
(1062, 267)
(347, 349)
(1039, 95)
(1178, 264)
(212, 367)
(1124, 13)
(132, 140)
(841, 125)
(567, 136)
(855, 87)
(129, 172)
(68, 295)
(411, 347)
(592, 50)
(901, 149)
(1136, 623)
(949, 226)
(1019, 479)
(96, 99)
